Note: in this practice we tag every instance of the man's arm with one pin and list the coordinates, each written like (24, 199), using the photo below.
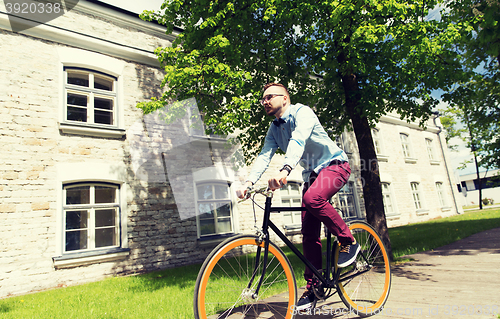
(305, 120)
(260, 164)
(264, 158)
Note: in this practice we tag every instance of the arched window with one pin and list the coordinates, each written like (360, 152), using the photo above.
(388, 199)
(91, 213)
(405, 144)
(90, 97)
(417, 197)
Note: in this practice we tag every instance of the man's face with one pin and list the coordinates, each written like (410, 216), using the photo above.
(274, 99)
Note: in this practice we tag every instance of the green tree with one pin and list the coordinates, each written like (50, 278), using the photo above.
(352, 61)
(470, 118)
(481, 60)
(475, 101)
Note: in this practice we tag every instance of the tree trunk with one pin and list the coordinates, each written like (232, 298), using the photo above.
(372, 189)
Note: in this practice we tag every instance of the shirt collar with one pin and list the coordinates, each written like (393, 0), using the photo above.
(284, 118)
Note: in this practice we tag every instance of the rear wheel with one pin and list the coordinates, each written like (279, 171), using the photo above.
(223, 288)
(364, 285)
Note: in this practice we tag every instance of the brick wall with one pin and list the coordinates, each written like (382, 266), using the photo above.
(34, 153)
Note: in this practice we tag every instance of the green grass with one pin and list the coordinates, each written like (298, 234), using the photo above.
(164, 294)
(169, 293)
(432, 234)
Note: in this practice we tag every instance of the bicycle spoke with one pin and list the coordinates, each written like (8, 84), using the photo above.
(364, 285)
(227, 289)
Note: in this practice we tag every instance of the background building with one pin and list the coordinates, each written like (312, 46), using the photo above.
(469, 187)
(90, 188)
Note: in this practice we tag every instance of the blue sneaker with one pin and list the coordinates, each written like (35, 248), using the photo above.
(347, 254)
(308, 300)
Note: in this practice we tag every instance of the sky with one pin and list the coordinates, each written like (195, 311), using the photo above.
(136, 6)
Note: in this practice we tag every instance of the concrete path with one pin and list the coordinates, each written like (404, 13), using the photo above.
(460, 280)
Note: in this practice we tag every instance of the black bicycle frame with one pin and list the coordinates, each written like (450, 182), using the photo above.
(266, 224)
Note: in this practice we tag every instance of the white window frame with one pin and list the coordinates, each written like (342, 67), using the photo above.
(377, 142)
(289, 198)
(348, 211)
(431, 152)
(441, 194)
(405, 144)
(388, 199)
(99, 64)
(416, 194)
(379, 145)
(113, 173)
(430, 149)
(214, 201)
(406, 148)
(92, 209)
(91, 93)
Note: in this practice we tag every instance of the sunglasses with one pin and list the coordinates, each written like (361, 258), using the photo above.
(268, 97)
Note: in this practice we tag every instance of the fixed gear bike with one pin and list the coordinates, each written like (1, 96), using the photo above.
(248, 276)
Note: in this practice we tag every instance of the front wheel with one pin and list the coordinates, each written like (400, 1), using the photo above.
(364, 285)
(225, 288)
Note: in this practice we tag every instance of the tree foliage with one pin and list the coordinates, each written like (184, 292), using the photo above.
(352, 61)
(479, 94)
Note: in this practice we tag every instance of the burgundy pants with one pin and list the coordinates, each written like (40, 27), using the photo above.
(316, 195)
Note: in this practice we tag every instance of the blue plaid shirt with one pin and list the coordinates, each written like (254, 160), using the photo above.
(303, 139)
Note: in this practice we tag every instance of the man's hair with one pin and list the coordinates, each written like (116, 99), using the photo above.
(268, 85)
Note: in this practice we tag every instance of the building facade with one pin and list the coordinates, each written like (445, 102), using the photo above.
(417, 180)
(91, 188)
(490, 188)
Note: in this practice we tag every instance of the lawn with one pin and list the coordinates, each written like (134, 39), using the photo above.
(169, 293)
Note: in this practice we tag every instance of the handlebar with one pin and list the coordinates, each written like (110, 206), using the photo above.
(264, 190)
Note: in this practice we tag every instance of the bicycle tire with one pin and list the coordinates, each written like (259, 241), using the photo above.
(221, 286)
(363, 289)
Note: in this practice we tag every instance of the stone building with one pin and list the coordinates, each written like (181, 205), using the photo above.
(90, 188)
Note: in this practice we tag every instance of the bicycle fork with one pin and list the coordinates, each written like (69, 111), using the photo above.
(263, 237)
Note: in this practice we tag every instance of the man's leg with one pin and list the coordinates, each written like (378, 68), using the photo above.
(316, 196)
(311, 242)
(316, 199)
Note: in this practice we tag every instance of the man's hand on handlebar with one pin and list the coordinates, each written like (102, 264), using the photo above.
(278, 181)
(273, 184)
(243, 190)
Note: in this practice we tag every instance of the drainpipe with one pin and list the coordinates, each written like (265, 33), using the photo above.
(445, 162)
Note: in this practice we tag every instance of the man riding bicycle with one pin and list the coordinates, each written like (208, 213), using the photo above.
(297, 131)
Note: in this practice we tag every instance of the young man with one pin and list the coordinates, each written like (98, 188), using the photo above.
(297, 131)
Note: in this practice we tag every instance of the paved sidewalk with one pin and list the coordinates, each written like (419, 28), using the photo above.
(460, 280)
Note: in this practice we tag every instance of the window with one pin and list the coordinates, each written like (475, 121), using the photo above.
(343, 142)
(464, 186)
(346, 200)
(291, 196)
(387, 198)
(430, 150)
(378, 145)
(91, 217)
(90, 97)
(415, 191)
(214, 209)
(440, 193)
(376, 141)
(405, 144)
